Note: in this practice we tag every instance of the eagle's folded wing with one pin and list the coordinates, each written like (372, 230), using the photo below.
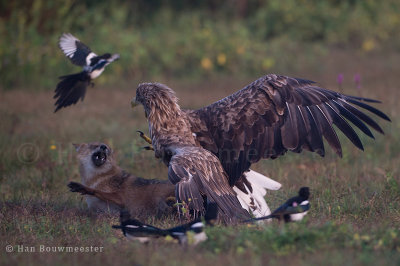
(275, 114)
(196, 172)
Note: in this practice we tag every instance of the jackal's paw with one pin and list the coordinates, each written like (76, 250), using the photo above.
(77, 187)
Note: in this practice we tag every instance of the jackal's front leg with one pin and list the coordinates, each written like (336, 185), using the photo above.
(113, 197)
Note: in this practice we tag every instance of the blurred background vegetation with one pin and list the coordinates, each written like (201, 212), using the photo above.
(188, 39)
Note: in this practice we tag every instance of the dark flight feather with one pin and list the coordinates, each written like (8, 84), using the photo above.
(279, 114)
(352, 118)
(369, 108)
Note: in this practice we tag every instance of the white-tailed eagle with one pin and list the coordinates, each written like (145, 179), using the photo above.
(209, 150)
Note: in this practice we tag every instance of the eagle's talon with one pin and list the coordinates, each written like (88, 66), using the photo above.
(143, 136)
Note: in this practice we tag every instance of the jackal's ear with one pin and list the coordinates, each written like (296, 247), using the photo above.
(77, 146)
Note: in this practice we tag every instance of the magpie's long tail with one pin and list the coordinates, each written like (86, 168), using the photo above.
(280, 212)
(134, 229)
(70, 89)
(260, 218)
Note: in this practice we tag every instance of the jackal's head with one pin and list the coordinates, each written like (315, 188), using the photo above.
(95, 159)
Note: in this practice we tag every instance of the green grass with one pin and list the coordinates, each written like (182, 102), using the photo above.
(355, 201)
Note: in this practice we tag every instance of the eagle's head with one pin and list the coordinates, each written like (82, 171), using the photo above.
(156, 98)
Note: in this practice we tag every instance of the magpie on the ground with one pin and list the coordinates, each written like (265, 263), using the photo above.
(192, 232)
(71, 88)
(294, 209)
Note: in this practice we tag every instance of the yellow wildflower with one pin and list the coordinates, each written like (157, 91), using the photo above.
(379, 244)
(221, 59)
(169, 238)
(53, 147)
(206, 63)
(268, 63)
(240, 250)
(365, 238)
(368, 45)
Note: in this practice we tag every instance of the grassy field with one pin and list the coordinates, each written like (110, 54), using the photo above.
(355, 216)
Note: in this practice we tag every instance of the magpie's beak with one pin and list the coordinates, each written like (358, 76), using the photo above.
(134, 103)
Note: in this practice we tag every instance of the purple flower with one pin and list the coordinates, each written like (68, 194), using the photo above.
(340, 78)
(357, 80)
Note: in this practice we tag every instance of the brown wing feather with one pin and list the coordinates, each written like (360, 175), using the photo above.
(275, 114)
(196, 173)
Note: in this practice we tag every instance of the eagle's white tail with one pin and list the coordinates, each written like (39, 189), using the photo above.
(254, 201)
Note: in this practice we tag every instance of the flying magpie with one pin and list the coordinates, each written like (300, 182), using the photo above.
(134, 229)
(71, 88)
(294, 209)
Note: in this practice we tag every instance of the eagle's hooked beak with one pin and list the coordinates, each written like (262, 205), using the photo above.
(134, 103)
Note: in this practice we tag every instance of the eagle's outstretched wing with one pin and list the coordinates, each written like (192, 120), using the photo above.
(275, 114)
(196, 172)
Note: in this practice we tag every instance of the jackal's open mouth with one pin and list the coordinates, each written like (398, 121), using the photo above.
(99, 157)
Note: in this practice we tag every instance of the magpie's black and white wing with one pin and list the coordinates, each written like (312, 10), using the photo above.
(198, 224)
(196, 173)
(295, 208)
(276, 114)
(75, 50)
